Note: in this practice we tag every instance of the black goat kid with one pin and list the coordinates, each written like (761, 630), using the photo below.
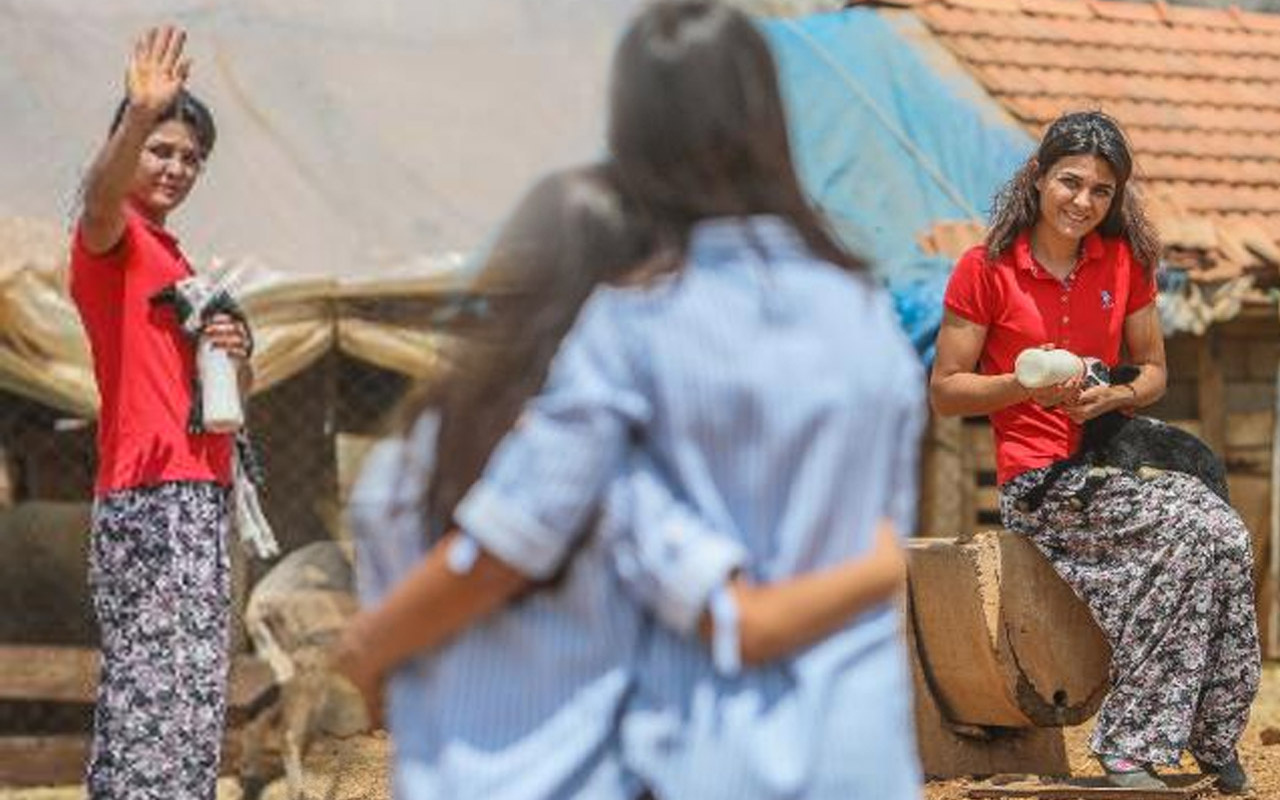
(1118, 441)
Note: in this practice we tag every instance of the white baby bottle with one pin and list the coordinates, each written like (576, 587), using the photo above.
(1036, 368)
(220, 406)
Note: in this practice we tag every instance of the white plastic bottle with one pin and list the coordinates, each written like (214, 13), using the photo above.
(1036, 368)
(219, 389)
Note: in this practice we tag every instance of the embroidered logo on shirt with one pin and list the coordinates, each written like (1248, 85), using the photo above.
(1107, 300)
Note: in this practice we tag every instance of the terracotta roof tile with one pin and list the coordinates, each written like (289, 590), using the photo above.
(991, 50)
(1267, 23)
(999, 6)
(1245, 146)
(990, 20)
(1202, 17)
(1057, 8)
(1015, 79)
(1147, 114)
(1132, 12)
(1198, 89)
(1223, 199)
(1204, 170)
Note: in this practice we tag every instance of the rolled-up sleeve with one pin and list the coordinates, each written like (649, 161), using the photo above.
(668, 558)
(547, 475)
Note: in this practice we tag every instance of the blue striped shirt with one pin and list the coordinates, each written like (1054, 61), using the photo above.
(780, 398)
(525, 705)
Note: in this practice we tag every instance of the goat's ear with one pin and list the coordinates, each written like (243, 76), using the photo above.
(1123, 373)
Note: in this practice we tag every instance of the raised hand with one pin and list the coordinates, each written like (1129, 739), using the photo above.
(157, 70)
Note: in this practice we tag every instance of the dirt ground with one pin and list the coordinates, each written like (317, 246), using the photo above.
(354, 768)
(1262, 760)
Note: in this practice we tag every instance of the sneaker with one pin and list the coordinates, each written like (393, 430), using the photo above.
(1232, 779)
(1124, 773)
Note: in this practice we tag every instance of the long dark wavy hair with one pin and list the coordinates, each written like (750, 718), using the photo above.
(570, 232)
(1017, 205)
(698, 129)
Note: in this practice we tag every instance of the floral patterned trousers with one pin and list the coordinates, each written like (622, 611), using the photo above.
(1166, 568)
(160, 575)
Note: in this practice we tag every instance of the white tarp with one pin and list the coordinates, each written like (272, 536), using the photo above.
(352, 135)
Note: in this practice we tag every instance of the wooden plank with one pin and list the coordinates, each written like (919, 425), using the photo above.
(979, 444)
(59, 674)
(1085, 788)
(1211, 394)
(987, 498)
(61, 760)
(941, 480)
(1261, 354)
(977, 450)
(42, 760)
(1249, 396)
(70, 675)
(1250, 429)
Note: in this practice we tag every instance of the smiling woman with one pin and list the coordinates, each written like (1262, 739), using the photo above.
(1164, 565)
(159, 571)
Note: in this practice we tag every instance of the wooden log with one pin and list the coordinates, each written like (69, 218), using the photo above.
(1002, 639)
(947, 751)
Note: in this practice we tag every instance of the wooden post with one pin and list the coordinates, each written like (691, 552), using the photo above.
(942, 479)
(1211, 394)
(1270, 619)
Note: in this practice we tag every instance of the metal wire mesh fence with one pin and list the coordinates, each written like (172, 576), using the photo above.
(311, 431)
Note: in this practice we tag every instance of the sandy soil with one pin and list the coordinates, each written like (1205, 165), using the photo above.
(1262, 760)
(355, 768)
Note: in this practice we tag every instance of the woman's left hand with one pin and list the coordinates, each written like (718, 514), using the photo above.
(229, 334)
(1096, 401)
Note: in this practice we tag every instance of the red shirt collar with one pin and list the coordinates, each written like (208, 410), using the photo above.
(159, 230)
(1092, 250)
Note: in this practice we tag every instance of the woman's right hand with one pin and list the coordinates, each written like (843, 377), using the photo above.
(1059, 394)
(157, 70)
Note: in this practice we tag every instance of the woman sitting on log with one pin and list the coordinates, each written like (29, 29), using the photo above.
(1164, 564)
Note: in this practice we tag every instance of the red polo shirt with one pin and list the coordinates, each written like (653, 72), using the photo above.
(1022, 305)
(143, 364)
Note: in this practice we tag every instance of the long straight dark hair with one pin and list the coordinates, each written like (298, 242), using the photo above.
(1017, 205)
(570, 232)
(698, 129)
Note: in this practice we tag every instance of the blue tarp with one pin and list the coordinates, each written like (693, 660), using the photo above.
(892, 137)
